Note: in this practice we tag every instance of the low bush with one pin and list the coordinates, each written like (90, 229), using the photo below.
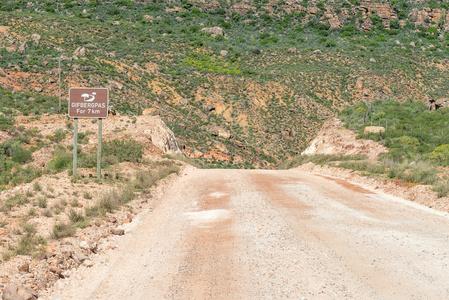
(130, 151)
(146, 179)
(27, 243)
(58, 136)
(109, 202)
(183, 158)
(62, 230)
(319, 159)
(22, 156)
(42, 202)
(61, 161)
(18, 199)
(441, 189)
(78, 219)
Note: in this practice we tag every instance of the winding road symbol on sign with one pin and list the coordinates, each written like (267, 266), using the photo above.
(86, 97)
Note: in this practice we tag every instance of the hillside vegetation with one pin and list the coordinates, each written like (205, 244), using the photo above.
(242, 83)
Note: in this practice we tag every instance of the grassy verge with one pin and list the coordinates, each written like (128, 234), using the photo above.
(410, 172)
(319, 159)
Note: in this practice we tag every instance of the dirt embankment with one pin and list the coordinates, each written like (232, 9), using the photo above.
(333, 138)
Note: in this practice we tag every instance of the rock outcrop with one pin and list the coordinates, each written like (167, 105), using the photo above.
(333, 139)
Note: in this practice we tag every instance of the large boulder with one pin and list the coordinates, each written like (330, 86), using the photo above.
(214, 31)
(15, 291)
(374, 129)
(36, 38)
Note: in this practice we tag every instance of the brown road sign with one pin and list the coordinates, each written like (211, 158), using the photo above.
(88, 102)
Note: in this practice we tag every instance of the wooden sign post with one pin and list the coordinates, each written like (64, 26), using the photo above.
(88, 103)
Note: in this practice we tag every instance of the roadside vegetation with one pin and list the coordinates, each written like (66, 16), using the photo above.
(417, 139)
(68, 216)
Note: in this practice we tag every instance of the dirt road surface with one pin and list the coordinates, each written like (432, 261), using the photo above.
(240, 234)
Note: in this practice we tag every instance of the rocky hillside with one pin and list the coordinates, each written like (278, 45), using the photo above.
(240, 83)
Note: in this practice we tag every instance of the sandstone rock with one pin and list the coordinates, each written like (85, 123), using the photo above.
(412, 44)
(38, 89)
(335, 23)
(22, 48)
(84, 11)
(88, 263)
(367, 25)
(223, 52)
(213, 130)
(242, 8)
(224, 133)
(374, 129)
(88, 245)
(65, 274)
(111, 220)
(118, 231)
(239, 144)
(24, 268)
(220, 146)
(36, 38)
(16, 291)
(13, 48)
(116, 85)
(313, 10)
(209, 108)
(372, 60)
(81, 257)
(149, 18)
(384, 10)
(181, 144)
(292, 50)
(214, 31)
(56, 270)
(184, 101)
(80, 51)
(151, 112)
(160, 135)
(359, 83)
(41, 256)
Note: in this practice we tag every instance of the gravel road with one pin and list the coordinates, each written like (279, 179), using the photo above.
(240, 234)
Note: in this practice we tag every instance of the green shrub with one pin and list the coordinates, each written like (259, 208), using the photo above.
(131, 151)
(62, 230)
(58, 136)
(78, 220)
(18, 199)
(37, 187)
(6, 124)
(442, 189)
(319, 159)
(22, 156)
(42, 202)
(440, 155)
(110, 201)
(27, 244)
(146, 179)
(61, 161)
